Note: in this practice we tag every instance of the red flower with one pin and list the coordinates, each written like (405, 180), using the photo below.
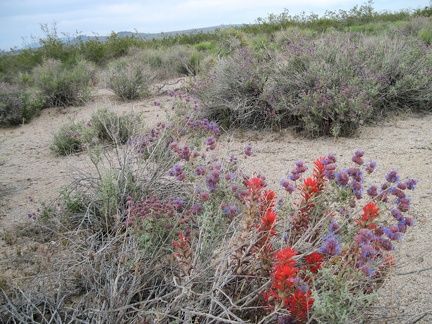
(313, 261)
(319, 169)
(255, 183)
(268, 199)
(310, 188)
(299, 303)
(285, 255)
(268, 222)
(370, 212)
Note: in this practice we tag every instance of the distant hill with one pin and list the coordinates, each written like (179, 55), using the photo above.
(146, 36)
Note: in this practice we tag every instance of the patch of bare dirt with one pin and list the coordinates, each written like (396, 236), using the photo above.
(29, 169)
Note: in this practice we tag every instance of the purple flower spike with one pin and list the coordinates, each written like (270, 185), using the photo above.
(331, 246)
(392, 176)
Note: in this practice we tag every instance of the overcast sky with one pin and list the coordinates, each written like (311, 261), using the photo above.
(21, 19)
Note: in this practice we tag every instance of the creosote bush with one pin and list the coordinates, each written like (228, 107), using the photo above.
(128, 79)
(64, 85)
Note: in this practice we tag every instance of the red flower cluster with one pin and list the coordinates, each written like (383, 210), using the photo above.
(370, 212)
(286, 288)
(313, 261)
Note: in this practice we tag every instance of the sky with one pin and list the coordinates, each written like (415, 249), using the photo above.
(20, 20)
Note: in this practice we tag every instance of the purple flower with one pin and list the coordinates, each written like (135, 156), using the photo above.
(211, 143)
(371, 167)
(331, 158)
(331, 246)
(287, 186)
(355, 173)
(367, 270)
(392, 176)
(357, 157)
(357, 189)
(231, 210)
(200, 171)
(409, 221)
(205, 196)
(300, 167)
(294, 175)
(397, 214)
(372, 191)
(178, 203)
(385, 244)
(403, 204)
(248, 150)
(411, 183)
(196, 209)
(342, 178)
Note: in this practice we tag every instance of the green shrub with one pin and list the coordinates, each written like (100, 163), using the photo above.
(108, 126)
(69, 139)
(205, 46)
(104, 126)
(63, 86)
(18, 106)
(426, 35)
(128, 79)
(231, 39)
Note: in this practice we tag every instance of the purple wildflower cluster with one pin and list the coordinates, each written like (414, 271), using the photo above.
(177, 172)
(171, 212)
(143, 142)
(329, 166)
(211, 143)
(288, 186)
(331, 245)
(203, 126)
(151, 207)
(230, 210)
(373, 239)
(298, 171)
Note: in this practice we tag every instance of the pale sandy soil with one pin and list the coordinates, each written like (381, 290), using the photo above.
(29, 169)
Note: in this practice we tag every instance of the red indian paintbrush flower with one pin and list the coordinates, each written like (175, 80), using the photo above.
(370, 212)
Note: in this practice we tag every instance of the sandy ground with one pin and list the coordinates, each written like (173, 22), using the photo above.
(29, 169)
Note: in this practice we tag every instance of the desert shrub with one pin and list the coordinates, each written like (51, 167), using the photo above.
(316, 86)
(206, 46)
(413, 26)
(426, 35)
(332, 85)
(232, 92)
(108, 126)
(401, 68)
(185, 60)
(159, 61)
(231, 39)
(68, 139)
(61, 85)
(93, 50)
(18, 106)
(128, 79)
(104, 127)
